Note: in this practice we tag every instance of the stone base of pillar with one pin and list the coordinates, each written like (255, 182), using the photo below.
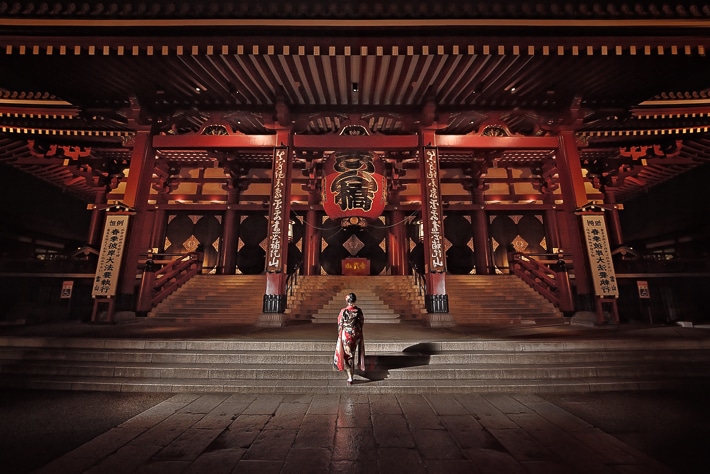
(440, 320)
(437, 303)
(274, 303)
(271, 320)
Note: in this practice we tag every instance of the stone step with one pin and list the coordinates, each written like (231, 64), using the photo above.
(375, 319)
(457, 359)
(392, 369)
(223, 297)
(498, 299)
(361, 385)
(481, 299)
(305, 366)
(497, 306)
(498, 320)
(645, 347)
(204, 318)
(215, 281)
(367, 309)
(371, 303)
(214, 309)
(387, 299)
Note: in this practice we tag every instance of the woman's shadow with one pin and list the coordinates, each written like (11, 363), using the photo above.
(377, 367)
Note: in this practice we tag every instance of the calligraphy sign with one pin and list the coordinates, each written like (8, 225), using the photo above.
(109, 265)
(355, 185)
(278, 212)
(600, 262)
(432, 208)
(355, 266)
(642, 286)
(67, 287)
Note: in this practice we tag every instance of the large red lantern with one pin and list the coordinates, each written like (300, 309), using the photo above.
(355, 185)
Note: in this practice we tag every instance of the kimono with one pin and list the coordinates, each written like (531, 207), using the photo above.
(350, 339)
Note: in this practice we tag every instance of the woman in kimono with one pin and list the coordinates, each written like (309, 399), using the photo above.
(350, 339)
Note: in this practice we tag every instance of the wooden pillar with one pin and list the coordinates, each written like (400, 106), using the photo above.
(481, 238)
(432, 214)
(403, 245)
(397, 244)
(277, 240)
(615, 236)
(228, 249)
(136, 197)
(552, 230)
(574, 197)
(230, 235)
(311, 248)
(312, 233)
(157, 238)
(97, 219)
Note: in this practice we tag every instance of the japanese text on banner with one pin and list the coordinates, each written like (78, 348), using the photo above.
(276, 218)
(600, 261)
(109, 264)
(436, 254)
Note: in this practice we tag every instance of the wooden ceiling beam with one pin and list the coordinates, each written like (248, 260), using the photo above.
(36, 110)
(500, 143)
(360, 142)
(681, 108)
(193, 142)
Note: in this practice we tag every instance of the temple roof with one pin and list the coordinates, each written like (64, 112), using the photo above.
(623, 74)
(360, 10)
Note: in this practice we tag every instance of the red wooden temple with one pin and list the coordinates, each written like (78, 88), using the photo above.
(466, 138)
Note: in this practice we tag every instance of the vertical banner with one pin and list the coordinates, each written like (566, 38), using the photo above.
(432, 207)
(600, 262)
(278, 213)
(109, 265)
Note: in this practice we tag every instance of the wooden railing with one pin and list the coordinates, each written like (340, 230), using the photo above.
(546, 274)
(419, 281)
(292, 278)
(158, 283)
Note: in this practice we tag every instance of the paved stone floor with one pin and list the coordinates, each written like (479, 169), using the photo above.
(600, 432)
(636, 432)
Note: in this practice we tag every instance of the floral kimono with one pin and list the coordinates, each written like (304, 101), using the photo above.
(350, 339)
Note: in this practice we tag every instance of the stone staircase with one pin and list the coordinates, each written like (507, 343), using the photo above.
(281, 365)
(473, 299)
(383, 299)
(215, 298)
(498, 300)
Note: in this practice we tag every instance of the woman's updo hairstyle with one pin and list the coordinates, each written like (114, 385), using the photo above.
(351, 298)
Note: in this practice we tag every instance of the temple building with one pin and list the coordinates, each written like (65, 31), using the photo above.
(563, 144)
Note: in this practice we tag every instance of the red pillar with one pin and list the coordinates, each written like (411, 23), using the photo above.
(311, 246)
(97, 220)
(481, 239)
(574, 196)
(230, 235)
(615, 236)
(228, 250)
(136, 196)
(277, 240)
(397, 244)
(432, 215)
(157, 238)
(552, 231)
